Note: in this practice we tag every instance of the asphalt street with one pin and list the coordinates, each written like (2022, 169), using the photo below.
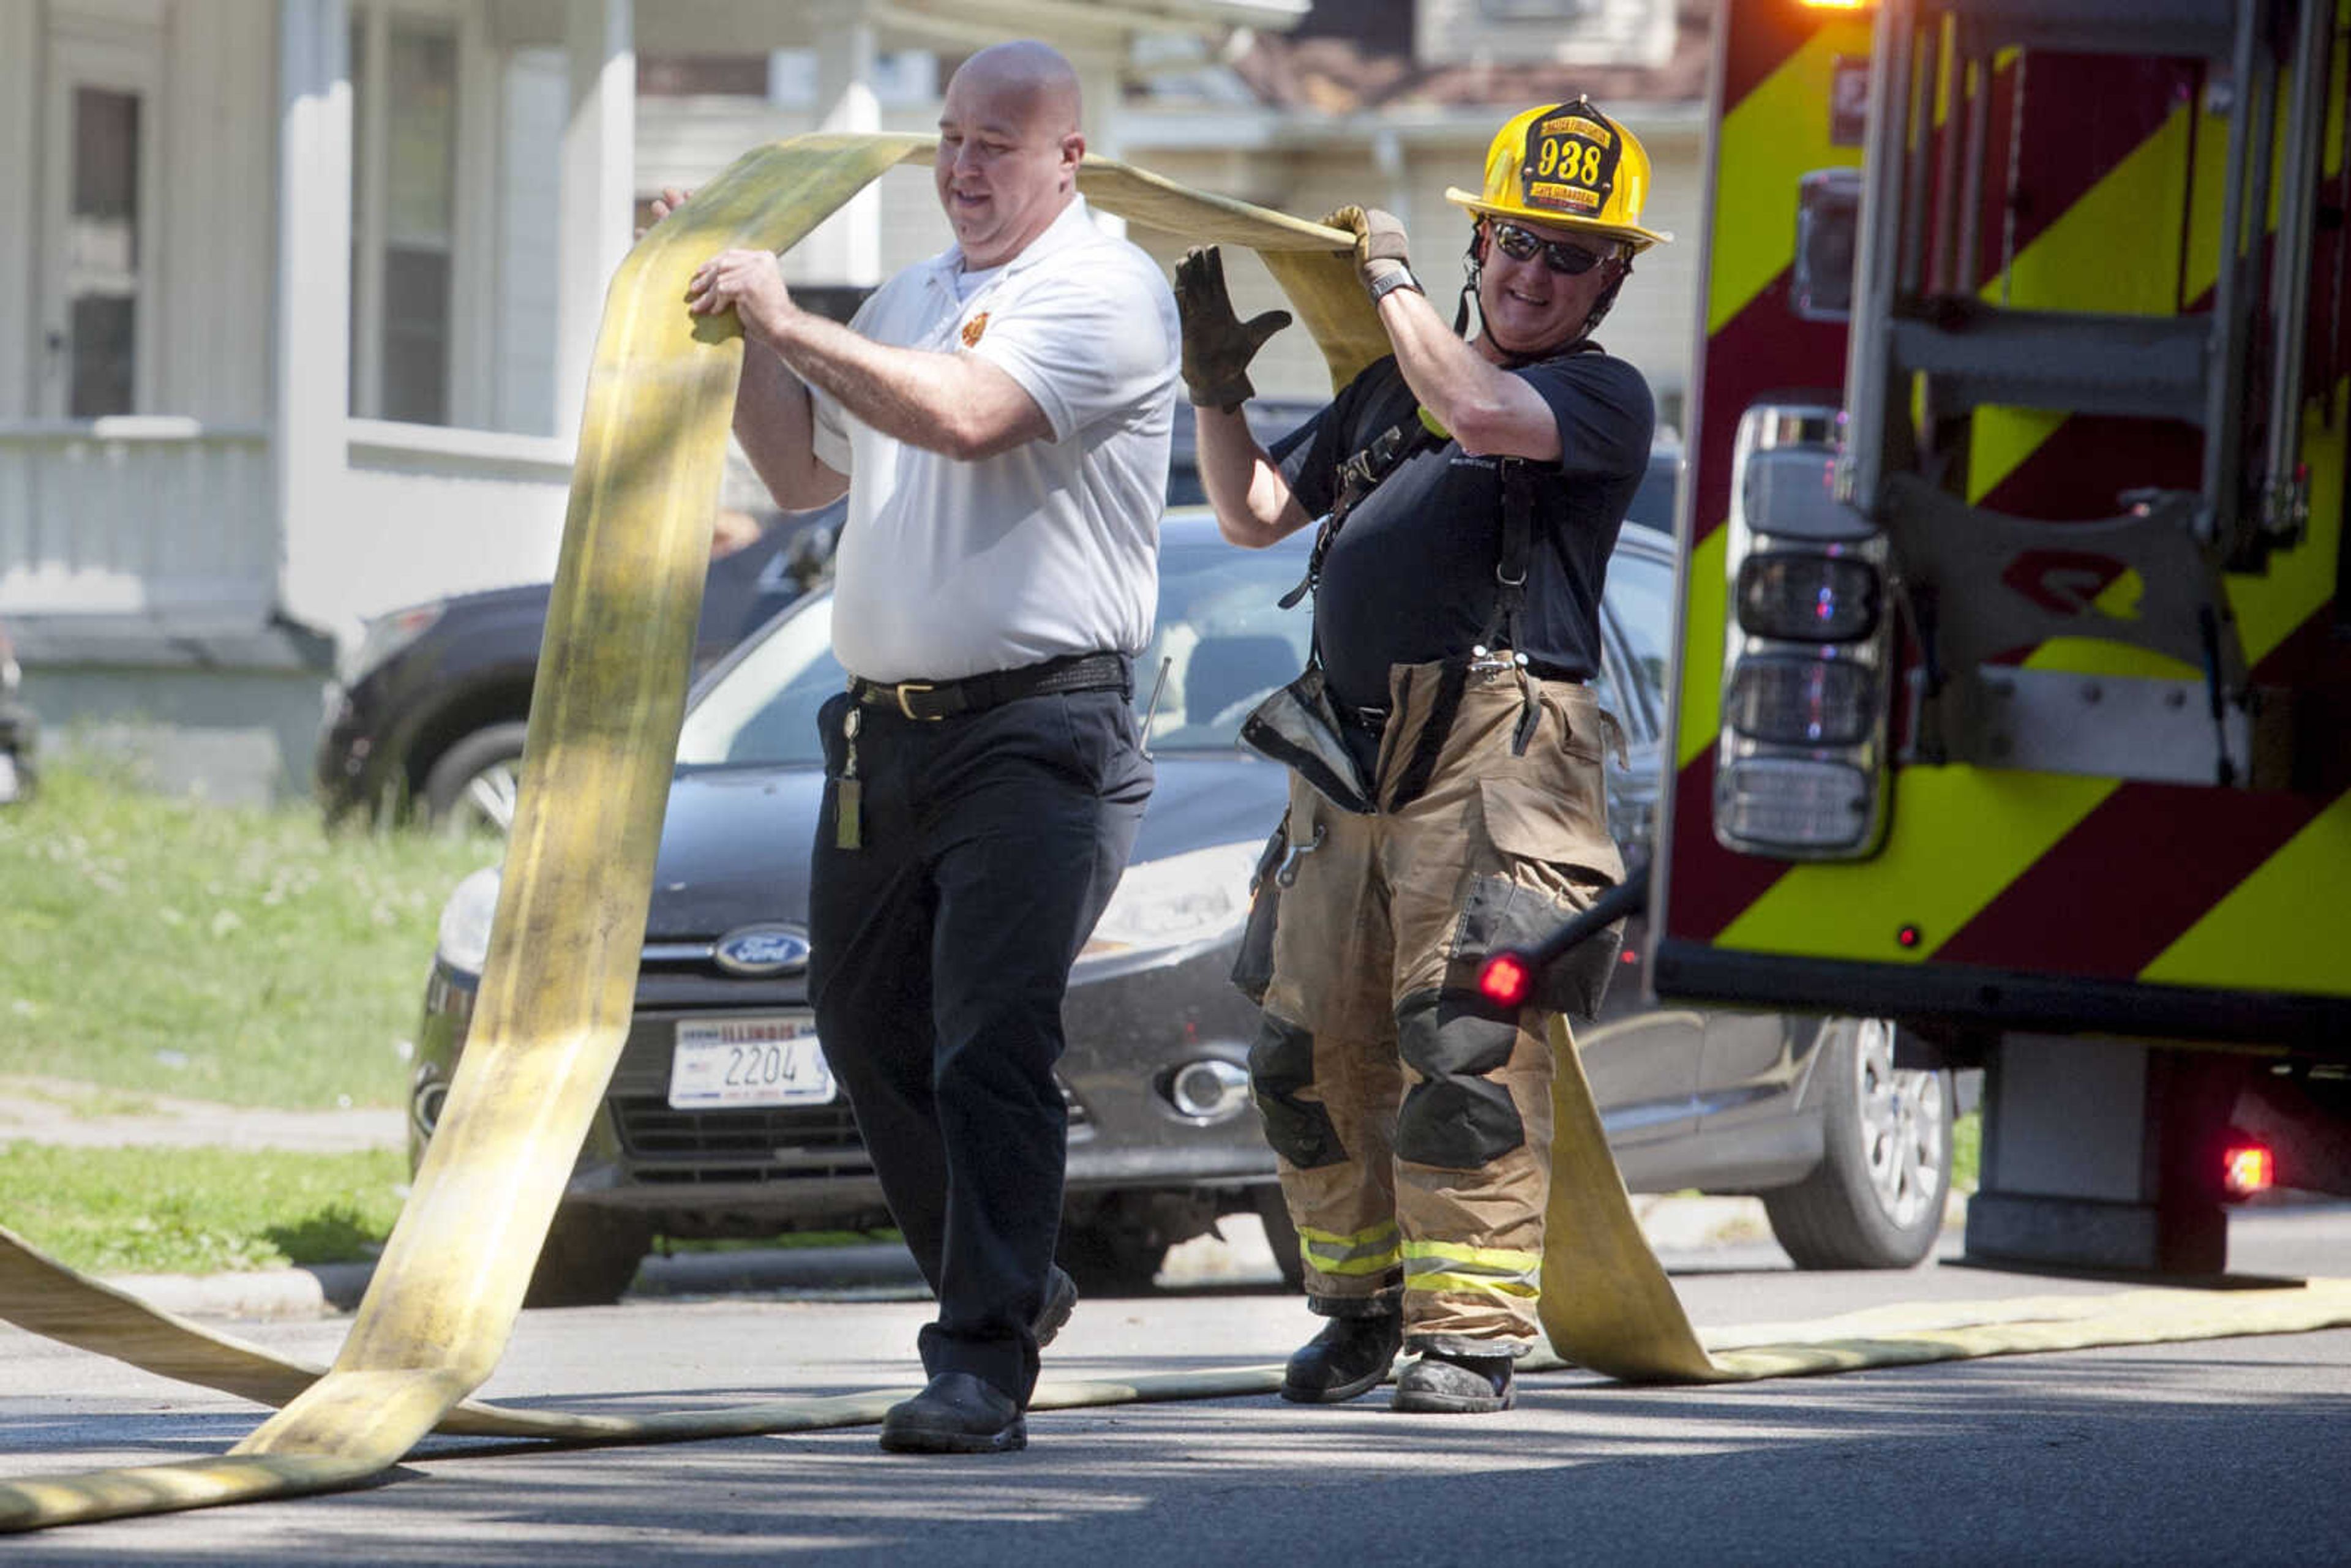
(2222, 1450)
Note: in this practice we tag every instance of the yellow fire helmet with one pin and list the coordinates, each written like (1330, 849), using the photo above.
(1570, 165)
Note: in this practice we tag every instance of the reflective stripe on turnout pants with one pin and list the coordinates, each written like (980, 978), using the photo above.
(1411, 1118)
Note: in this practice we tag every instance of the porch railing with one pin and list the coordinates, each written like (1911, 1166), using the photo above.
(136, 515)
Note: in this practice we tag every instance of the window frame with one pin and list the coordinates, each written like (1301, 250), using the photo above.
(119, 60)
(468, 356)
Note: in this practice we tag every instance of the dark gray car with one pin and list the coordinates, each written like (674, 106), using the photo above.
(722, 1119)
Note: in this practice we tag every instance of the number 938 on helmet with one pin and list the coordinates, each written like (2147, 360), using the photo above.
(1570, 165)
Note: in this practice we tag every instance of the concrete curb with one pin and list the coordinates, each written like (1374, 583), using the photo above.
(1238, 1257)
(311, 1293)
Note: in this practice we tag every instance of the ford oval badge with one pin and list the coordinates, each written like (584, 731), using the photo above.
(762, 950)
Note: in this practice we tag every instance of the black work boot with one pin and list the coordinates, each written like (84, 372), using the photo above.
(1348, 1358)
(1443, 1383)
(1060, 1301)
(957, 1413)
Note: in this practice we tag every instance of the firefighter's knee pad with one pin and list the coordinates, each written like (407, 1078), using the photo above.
(1281, 1062)
(1456, 1117)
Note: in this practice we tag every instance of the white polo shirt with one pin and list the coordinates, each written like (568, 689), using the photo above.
(949, 569)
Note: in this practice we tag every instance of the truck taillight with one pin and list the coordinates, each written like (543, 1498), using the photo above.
(1802, 702)
(1793, 804)
(1800, 596)
(1800, 765)
(2247, 1169)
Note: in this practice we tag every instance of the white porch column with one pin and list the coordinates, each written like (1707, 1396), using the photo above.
(847, 247)
(20, 34)
(1394, 172)
(312, 383)
(597, 218)
(1099, 68)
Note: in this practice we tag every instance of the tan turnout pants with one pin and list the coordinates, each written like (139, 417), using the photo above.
(1411, 1116)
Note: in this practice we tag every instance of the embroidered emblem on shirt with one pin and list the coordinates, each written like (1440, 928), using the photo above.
(974, 328)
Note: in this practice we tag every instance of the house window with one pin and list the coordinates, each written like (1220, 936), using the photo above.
(1536, 10)
(1604, 33)
(95, 240)
(403, 215)
(102, 246)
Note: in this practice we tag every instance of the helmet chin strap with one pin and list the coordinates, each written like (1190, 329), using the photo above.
(1474, 271)
(1473, 268)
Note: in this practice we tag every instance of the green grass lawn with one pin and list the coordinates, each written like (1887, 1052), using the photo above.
(166, 946)
(199, 1211)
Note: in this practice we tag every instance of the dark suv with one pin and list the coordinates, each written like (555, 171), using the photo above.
(425, 719)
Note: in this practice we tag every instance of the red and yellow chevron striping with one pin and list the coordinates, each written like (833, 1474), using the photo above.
(2110, 201)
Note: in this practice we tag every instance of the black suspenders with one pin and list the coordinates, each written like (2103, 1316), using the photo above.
(1359, 475)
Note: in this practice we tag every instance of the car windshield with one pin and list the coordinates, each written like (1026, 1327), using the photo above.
(1222, 635)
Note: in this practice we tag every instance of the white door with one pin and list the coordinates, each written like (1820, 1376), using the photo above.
(99, 206)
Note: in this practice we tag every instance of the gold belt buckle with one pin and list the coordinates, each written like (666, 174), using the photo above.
(909, 688)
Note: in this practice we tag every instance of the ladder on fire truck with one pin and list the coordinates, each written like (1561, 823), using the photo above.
(1920, 324)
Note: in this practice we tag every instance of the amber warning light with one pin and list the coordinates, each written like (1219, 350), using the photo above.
(2247, 1169)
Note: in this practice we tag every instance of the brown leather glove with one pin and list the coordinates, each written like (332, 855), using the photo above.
(1382, 246)
(1217, 346)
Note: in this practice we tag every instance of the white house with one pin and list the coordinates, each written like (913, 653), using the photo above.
(297, 327)
(296, 301)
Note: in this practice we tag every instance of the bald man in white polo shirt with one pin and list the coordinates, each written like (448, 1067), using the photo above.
(999, 417)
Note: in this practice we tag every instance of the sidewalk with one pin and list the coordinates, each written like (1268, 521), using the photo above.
(60, 1111)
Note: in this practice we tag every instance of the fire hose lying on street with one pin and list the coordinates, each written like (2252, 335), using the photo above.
(556, 995)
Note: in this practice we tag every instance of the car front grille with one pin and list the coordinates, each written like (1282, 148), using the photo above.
(782, 1142)
(669, 1147)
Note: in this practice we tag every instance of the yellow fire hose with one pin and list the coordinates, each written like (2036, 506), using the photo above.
(556, 989)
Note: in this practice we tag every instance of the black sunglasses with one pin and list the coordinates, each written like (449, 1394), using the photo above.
(1524, 245)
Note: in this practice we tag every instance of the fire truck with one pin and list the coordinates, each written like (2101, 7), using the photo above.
(2014, 684)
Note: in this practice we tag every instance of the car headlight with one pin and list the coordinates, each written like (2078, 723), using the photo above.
(1178, 902)
(464, 939)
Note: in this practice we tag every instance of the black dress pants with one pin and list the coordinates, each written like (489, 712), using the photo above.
(942, 945)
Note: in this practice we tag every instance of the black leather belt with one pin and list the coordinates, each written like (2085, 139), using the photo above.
(930, 700)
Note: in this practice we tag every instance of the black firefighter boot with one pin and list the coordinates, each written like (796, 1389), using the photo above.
(1447, 1383)
(1349, 1358)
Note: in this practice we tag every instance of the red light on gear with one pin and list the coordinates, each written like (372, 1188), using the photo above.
(1505, 981)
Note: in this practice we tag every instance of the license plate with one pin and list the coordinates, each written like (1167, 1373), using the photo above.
(728, 1062)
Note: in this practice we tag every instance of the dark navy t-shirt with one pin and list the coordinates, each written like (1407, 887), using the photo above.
(1410, 577)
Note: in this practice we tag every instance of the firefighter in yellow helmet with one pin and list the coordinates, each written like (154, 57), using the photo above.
(1447, 751)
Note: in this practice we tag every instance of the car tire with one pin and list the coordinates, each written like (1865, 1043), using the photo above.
(588, 1260)
(472, 784)
(1281, 1236)
(1876, 1199)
